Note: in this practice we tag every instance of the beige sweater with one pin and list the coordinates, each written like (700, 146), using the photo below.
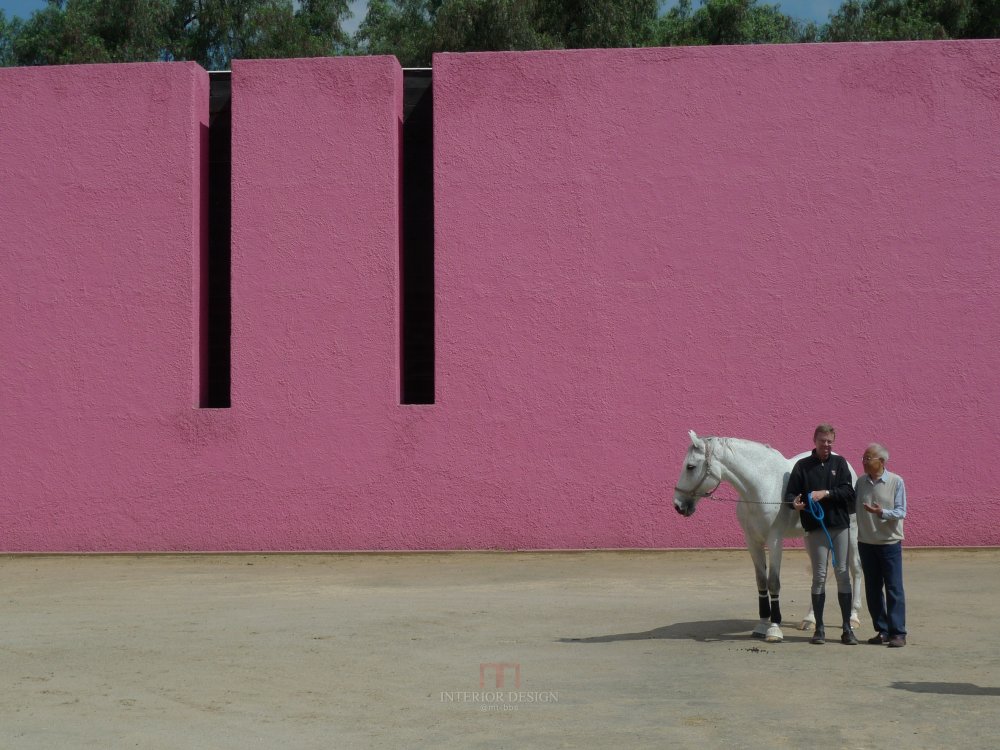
(890, 493)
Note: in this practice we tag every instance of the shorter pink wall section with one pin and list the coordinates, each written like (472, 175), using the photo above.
(744, 241)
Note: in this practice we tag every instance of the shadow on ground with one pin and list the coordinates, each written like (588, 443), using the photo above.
(703, 630)
(946, 688)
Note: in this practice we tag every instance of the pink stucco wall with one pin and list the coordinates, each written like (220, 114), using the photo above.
(744, 241)
(100, 236)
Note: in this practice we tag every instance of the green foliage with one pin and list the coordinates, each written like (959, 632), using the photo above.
(886, 20)
(404, 28)
(414, 29)
(731, 22)
(9, 30)
(213, 32)
(480, 25)
(983, 20)
(81, 31)
(581, 24)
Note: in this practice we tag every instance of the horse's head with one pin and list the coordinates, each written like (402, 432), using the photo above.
(700, 476)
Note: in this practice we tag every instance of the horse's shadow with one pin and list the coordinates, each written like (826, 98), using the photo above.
(703, 630)
(946, 688)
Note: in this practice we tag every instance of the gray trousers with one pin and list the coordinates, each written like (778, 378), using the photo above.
(818, 548)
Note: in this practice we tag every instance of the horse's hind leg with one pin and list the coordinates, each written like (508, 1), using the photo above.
(759, 557)
(854, 563)
(809, 621)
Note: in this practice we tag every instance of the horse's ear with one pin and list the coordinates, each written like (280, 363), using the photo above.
(696, 441)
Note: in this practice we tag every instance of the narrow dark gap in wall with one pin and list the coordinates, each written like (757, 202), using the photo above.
(417, 356)
(217, 300)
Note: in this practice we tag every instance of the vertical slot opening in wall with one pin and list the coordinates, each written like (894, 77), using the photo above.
(417, 256)
(215, 287)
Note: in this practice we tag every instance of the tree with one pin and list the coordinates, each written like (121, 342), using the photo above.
(886, 20)
(9, 31)
(731, 22)
(214, 32)
(414, 29)
(480, 25)
(404, 28)
(84, 31)
(983, 20)
(579, 24)
(211, 32)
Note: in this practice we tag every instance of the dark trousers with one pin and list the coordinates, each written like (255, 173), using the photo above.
(883, 568)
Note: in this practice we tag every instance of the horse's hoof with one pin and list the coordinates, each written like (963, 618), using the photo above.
(807, 625)
(774, 635)
(855, 622)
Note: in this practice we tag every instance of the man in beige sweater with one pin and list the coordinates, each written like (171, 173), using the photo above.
(881, 502)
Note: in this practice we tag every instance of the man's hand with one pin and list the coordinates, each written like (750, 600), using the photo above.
(873, 508)
(798, 503)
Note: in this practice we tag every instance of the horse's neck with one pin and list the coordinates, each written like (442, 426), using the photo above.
(749, 466)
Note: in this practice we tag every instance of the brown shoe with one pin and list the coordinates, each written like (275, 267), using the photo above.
(897, 641)
(878, 639)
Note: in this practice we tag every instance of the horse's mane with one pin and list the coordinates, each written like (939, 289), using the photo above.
(750, 445)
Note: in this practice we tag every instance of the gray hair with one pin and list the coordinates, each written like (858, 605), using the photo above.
(879, 450)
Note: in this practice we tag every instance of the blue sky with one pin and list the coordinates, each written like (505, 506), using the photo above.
(810, 10)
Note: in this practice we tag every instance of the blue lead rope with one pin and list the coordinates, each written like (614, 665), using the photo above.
(817, 512)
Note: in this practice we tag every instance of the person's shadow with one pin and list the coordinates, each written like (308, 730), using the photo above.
(703, 630)
(946, 688)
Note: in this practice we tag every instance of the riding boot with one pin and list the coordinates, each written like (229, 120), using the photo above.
(818, 602)
(844, 599)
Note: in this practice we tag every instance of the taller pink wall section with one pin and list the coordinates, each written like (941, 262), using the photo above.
(743, 241)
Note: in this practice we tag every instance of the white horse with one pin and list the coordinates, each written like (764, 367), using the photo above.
(760, 475)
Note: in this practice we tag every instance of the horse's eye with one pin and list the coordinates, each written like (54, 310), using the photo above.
(690, 467)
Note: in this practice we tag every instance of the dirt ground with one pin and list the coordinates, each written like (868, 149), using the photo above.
(602, 650)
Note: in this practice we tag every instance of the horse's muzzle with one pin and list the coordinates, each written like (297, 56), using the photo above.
(684, 506)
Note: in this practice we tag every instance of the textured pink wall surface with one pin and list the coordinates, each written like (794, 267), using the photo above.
(316, 304)
(744, 241)
(100, 231)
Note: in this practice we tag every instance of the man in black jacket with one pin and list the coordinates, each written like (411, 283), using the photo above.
(820, 488)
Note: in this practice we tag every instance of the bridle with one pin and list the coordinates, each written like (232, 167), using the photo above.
(696, 493)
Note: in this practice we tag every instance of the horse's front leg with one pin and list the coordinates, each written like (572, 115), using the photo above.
(759, 557)
(775, 546)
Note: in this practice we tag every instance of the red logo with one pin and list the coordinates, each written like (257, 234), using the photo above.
(500, 669)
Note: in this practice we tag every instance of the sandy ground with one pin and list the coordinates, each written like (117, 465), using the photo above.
(605, 650)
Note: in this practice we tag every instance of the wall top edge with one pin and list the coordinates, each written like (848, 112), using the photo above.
(405, 70)
(718, 49)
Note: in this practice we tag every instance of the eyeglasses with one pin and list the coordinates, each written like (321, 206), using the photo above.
(866, 459)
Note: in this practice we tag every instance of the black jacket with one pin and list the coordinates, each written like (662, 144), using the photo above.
(810, 474)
